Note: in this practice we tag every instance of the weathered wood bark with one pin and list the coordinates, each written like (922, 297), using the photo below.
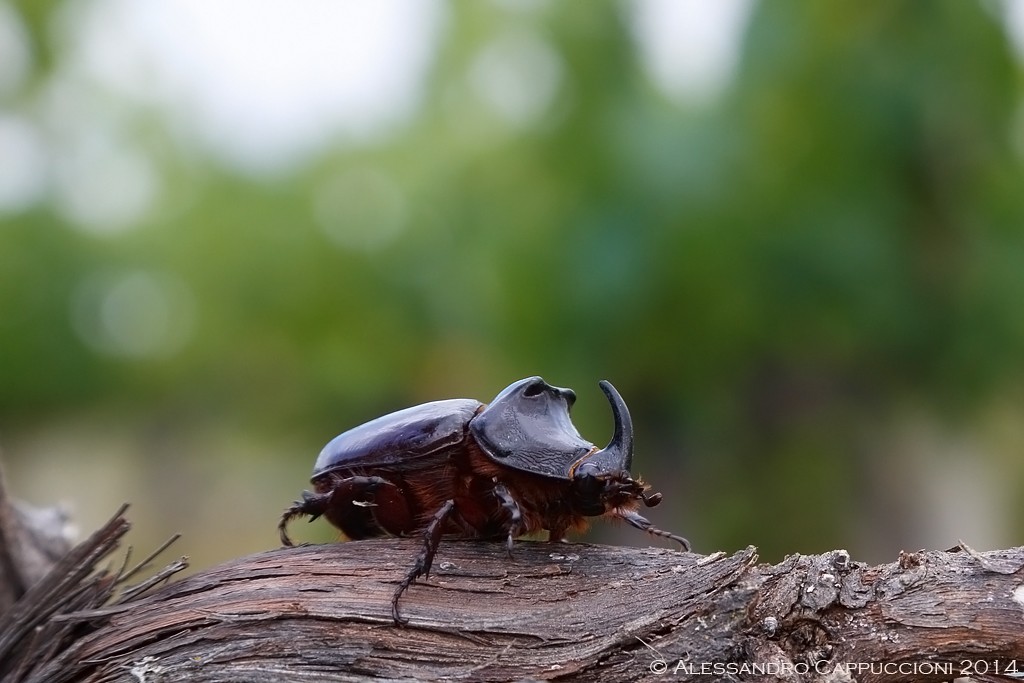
(567, 612)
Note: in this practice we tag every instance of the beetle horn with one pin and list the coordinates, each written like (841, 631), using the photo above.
(618, 454)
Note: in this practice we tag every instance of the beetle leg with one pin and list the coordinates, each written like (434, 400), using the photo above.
(312, 504)
(515, 524)
(431, 539)
(643, 524)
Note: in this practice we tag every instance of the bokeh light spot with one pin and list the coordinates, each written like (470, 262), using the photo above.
(360, 209)
(518, 76)
(23, 166)
(137, 314)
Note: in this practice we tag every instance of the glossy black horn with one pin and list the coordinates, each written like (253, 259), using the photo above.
(618, 454)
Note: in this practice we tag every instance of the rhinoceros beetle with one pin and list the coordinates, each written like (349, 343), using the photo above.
(459, 467)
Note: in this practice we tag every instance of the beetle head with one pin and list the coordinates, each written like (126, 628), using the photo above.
(602, 477)
(527, 427)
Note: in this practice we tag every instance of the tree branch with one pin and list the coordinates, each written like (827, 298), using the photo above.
(572, 612)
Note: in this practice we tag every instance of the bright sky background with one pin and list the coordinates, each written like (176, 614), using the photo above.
(262, 82)
(265, 84)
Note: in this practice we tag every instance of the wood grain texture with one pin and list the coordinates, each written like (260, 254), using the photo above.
(325, 607)
(555, 611)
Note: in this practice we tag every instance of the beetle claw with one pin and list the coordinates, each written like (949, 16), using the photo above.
(395, 615)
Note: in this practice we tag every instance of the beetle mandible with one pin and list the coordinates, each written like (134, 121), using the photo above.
(459, 467)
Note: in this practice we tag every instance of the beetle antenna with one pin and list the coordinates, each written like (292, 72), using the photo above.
(650, 500)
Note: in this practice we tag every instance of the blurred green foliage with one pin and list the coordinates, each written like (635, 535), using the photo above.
(769, 278)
